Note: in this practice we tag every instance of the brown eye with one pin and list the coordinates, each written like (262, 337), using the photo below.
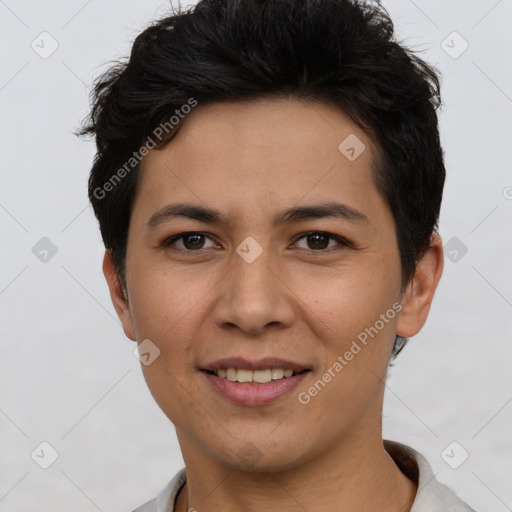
(193, 241)
(319, 241)
(190, 242)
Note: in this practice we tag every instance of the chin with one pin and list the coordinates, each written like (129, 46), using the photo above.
(261, 457)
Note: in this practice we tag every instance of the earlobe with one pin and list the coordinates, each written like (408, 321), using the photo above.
(118, 298)
(419, 294)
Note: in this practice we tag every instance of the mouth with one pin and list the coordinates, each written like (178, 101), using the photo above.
(255, 376)
(252, 383)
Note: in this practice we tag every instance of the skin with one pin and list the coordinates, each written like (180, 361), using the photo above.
(297, 300)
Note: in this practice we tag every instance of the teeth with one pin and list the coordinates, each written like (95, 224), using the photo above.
(277, 373)
(244, 376)
(261, 376)
(258, 376)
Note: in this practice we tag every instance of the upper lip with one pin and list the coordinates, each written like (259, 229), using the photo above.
(240, 363)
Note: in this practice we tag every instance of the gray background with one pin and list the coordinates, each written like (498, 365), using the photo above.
(68, 375)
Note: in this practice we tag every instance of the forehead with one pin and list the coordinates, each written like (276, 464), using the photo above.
(260, 154)
(274, 124)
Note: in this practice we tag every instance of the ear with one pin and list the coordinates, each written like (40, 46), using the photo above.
(116, 294)
(420, 291)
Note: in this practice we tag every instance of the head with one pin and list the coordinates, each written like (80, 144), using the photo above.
(247, 109)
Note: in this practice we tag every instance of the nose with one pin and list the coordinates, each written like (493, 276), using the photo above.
(254, 297)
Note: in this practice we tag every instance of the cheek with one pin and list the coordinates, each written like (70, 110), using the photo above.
(164, 302)
(356, 346)
(166, 309)
(345, 303)
(355, 320)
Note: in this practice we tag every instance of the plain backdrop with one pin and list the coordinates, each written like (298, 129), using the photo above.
(68, 376)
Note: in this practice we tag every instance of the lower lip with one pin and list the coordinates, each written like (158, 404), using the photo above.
(254, 394)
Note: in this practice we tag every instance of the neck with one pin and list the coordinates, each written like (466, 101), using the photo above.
(356, 476)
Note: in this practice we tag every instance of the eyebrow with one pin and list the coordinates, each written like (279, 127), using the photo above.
(330, 209)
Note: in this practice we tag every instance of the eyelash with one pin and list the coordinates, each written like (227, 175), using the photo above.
(168, 242)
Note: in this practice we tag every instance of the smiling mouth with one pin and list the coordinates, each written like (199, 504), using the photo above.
(255, 376)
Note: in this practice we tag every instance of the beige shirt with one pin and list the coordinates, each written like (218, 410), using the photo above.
(432, 496)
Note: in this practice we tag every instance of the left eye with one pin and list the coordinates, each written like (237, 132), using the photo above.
(319, 240)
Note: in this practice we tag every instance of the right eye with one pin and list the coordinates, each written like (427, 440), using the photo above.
(191, 241)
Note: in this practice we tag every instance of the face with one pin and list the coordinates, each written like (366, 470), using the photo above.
(291, 260)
